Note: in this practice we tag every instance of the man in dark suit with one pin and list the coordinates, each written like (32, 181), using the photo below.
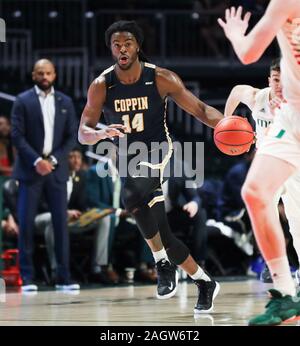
(44, 131)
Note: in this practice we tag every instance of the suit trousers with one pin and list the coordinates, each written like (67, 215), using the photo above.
(30, 194)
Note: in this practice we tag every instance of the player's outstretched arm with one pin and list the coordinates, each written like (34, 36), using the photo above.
(240, 94)
(249, 48)
(170, 84)
(87, 133)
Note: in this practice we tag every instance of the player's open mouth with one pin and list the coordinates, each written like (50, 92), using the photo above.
(123, 60)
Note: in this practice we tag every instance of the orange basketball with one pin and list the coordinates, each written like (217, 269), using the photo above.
(234, 135)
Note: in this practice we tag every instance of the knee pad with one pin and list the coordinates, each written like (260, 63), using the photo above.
(132, 198)
(177, 251)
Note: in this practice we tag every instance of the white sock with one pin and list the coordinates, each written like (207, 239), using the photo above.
(281, 275)
(200, 275)
(159, 255)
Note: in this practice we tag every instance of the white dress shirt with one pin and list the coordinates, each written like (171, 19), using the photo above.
(47, 103)
(70, 185)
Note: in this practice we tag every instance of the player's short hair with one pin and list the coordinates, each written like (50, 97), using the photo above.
(275, 65)
(125, 26)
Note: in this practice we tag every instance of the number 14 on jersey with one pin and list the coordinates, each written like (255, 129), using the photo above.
(137, 123)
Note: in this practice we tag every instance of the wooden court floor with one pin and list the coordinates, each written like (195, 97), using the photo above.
(133, 306)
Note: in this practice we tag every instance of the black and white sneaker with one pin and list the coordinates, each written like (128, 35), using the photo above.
(207, 292)
(167, 279)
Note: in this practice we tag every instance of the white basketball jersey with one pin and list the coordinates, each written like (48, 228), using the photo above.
(289, 42)
(262, 114)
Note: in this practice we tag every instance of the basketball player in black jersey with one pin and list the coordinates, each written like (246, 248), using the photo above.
(132, 95)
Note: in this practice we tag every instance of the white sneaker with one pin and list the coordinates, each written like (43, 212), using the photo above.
(67, 286)
(29, 287)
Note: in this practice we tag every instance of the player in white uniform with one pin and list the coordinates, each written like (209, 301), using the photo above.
(278, 157)
(263, 104)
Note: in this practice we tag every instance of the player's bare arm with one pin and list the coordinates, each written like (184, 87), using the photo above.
(87, 133)
(249, 48)
(169, 84)
(240, 94)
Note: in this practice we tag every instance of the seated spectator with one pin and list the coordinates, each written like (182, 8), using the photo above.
(9, 221)
(9, 226)
(6, 149)
(209, 195)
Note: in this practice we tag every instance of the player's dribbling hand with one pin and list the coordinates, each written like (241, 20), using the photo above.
(234, 25)
(115, 130)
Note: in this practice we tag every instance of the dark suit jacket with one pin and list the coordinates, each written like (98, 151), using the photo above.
(179, 194)
(28, 134)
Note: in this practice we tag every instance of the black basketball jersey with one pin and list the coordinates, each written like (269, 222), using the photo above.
(138, 106)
